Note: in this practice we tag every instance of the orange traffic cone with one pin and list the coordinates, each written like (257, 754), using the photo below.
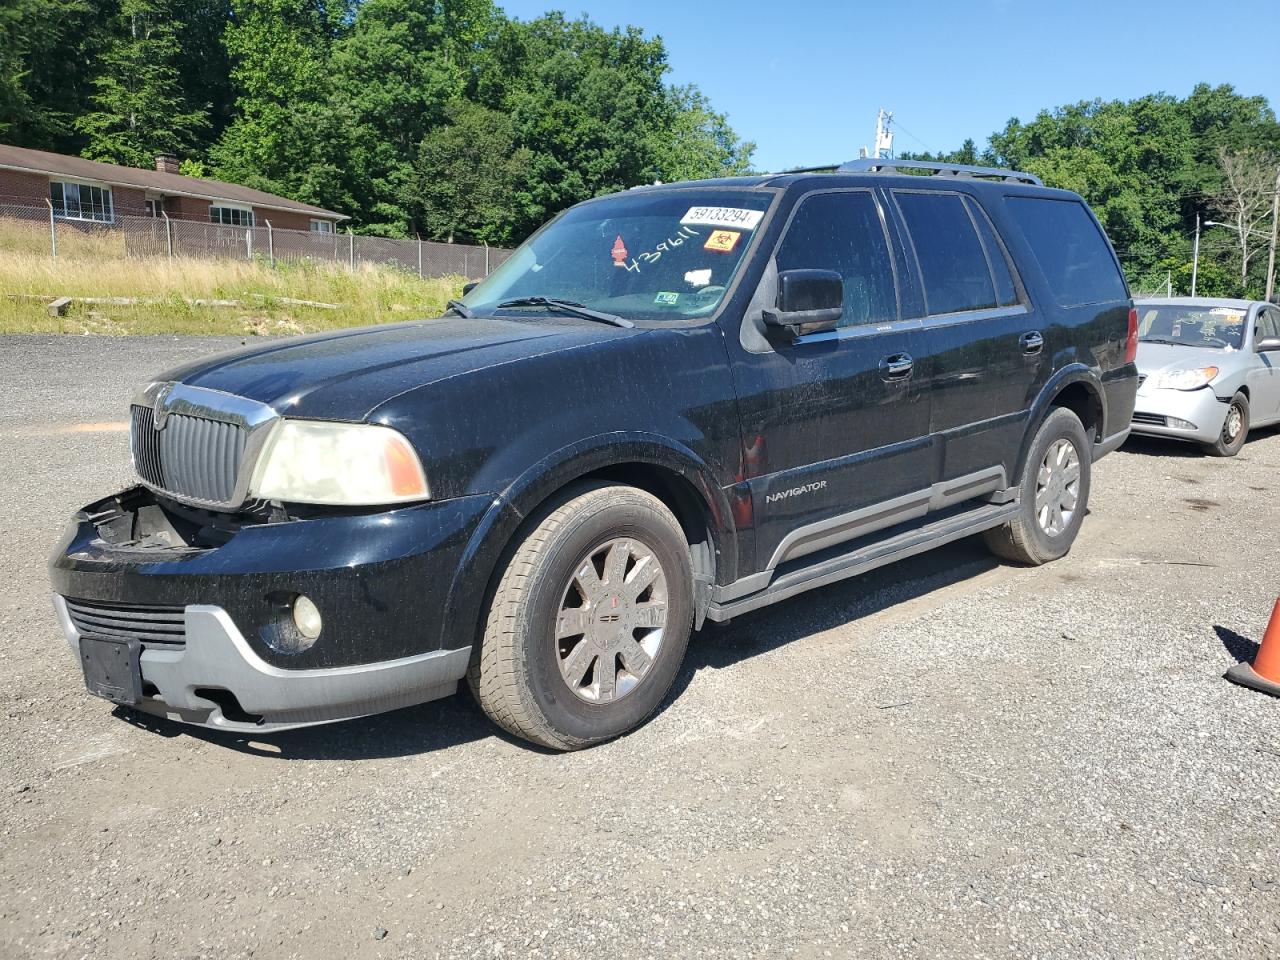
(1264, 674)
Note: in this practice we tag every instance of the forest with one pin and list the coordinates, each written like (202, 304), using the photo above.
(446, 120)
(1149, 167)
(451, 121)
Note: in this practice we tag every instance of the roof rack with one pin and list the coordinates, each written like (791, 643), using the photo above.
(880, 165)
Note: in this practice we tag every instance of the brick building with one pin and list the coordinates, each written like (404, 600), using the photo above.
(87, 190)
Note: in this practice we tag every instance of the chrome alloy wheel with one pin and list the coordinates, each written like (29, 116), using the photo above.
(1234, 421)
(1058, 487)
(612, 616)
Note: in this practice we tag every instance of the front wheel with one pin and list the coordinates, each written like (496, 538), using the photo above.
(589, 622)
(1235, 429)
(1054, 494)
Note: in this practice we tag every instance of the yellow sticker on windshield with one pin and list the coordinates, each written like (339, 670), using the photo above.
(722, 241)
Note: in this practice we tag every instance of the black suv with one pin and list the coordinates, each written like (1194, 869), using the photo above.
(673, 404)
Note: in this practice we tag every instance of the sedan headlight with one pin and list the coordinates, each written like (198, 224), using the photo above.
(1184, 379)
(348, 464)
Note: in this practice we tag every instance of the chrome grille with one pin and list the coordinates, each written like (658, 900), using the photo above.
(200, 458)
(161, 626)
(204, 446)
(145, 444)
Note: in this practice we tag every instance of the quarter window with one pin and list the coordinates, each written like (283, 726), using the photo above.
(1001, 272)
(842, 232)
(1070, 249)
(231, 216)
(80, 201)
(953, 266)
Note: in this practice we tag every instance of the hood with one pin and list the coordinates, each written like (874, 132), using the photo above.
(1153, 357)
(346, 374)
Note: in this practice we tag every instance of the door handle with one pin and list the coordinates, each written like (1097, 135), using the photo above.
(896, 367)
(1031, 342)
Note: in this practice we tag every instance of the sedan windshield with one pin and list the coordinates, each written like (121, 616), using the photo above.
(666, 255)
(1213, 327)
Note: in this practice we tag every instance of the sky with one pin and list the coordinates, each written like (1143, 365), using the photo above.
(804, 79)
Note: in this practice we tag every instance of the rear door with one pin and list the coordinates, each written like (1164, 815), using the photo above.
(836, 424)
(983, 345)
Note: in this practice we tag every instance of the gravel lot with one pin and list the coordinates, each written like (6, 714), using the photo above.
(947, 758)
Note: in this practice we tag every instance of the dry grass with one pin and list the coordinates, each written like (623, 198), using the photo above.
(368, 295)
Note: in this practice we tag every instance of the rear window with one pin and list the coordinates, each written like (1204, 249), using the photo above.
(952, 263)
(1070, 249)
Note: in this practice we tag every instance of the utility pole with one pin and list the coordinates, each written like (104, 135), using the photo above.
(1195, 256)
(1275, 228)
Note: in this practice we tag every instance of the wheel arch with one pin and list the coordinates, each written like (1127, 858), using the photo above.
(1078, 389)
(656, 465)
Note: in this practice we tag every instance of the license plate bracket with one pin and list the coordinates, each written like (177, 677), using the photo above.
(113, 668)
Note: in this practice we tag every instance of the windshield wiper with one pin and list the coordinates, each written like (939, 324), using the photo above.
(571, 307)
(1176, 343)
(460, 308)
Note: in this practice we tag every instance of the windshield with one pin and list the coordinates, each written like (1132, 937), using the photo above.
(1213, 327)
(642, 256)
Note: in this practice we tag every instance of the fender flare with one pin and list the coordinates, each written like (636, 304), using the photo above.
(1071, 374)
(523, 496)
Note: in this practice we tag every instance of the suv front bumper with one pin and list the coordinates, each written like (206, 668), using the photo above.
(382, 582)
(185, 684)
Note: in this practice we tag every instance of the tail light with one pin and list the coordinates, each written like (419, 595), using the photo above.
(1131, 341)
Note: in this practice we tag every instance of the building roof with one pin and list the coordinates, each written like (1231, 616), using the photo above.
(170, 184)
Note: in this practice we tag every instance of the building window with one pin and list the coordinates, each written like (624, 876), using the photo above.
(153, 207)
(231, 216)
(80, 201)
(322, 226)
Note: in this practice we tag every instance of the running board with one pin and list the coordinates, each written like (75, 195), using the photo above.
(906, 544)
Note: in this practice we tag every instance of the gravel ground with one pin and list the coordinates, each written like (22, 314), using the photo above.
(946, 758)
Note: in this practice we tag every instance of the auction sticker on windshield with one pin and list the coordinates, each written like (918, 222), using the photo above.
(724, 217)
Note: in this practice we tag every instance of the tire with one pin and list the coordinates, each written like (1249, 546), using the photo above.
(539, 678)
(1234, 431)
(1043, 530)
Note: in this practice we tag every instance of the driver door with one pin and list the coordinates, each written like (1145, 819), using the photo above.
(836, 423)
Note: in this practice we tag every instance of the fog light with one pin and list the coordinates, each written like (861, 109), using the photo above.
(306, 617)
(1181, 424)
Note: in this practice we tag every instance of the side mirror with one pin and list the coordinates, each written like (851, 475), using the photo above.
(1267, 344)
(468, 287)
(808, 301)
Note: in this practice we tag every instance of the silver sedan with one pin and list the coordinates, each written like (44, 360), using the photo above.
(1208, 370)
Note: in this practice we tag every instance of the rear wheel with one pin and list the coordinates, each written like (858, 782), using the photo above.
(1235, 429)
(589, 622)
(1054, 494)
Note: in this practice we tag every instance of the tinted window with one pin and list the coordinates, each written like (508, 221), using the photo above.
(842, 232)
(1070, 250)
(1006, 291)
(952, 264)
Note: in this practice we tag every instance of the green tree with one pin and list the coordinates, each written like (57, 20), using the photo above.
(697, 142)
(289, 134)
(471, 177)
(139, 110)
(396, 68)
(47, 50)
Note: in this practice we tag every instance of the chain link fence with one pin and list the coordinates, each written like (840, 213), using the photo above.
(35, 229)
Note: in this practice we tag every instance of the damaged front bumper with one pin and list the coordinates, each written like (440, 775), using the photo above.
(200, 612)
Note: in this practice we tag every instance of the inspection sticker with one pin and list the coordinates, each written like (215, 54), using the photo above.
(667, 297)
(724, 217)
(722, 241)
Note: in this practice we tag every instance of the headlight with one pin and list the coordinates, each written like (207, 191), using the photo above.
(1184, 379)
(351, 464)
